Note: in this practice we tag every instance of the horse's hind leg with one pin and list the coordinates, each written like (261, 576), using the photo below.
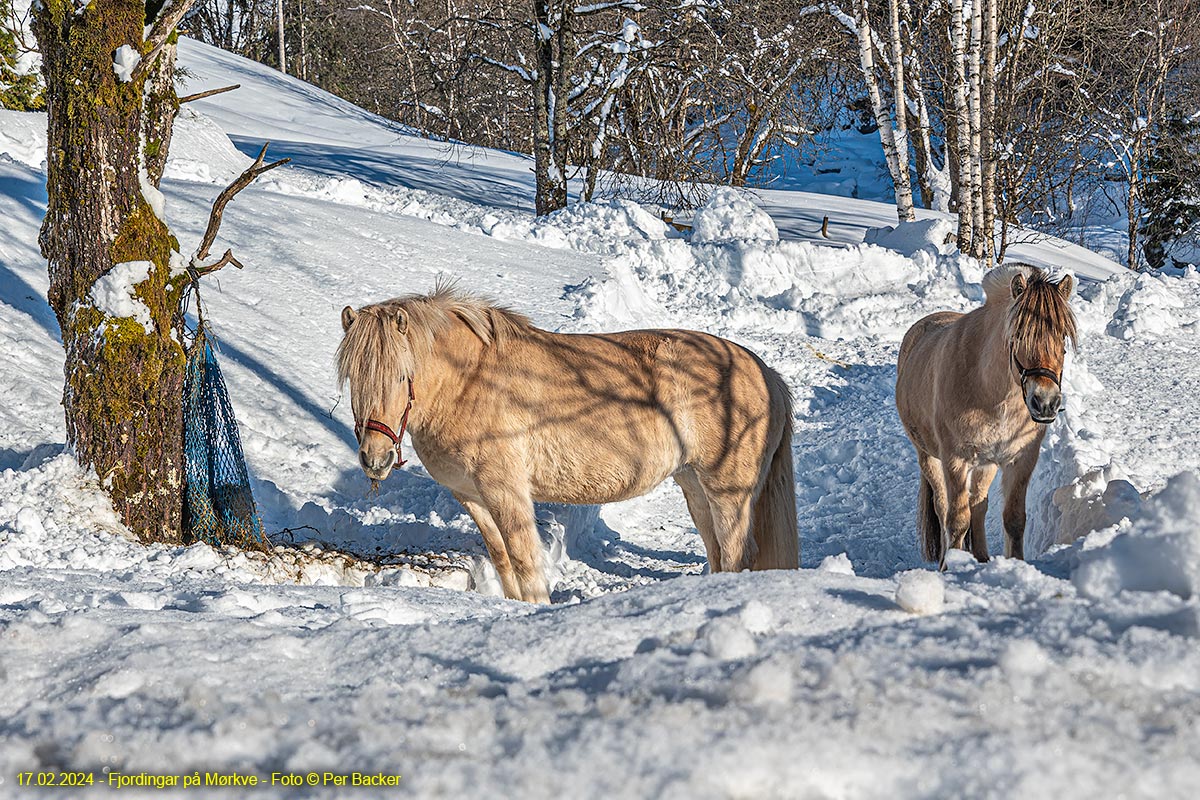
(981, 480)
(731, 509)
(495, 545)
(698, 507)
(931, 530)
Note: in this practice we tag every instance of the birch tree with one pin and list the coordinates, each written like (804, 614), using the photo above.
(892, 126)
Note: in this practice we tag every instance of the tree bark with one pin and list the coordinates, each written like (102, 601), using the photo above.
(123, 376)
(974, 104)
(904, 206)
(158, 117)
(894, 148)
(988, 129)
(552, 43)
(279, 30)
(962, 128)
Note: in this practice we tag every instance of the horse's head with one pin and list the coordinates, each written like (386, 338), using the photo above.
(375, 358)
(1040, 322)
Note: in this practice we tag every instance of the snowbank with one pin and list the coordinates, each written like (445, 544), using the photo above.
(200, 151)
(54, 515)
(732, 215)
(1159, 551)
(23, 137)
(793, 286)
(909, 238)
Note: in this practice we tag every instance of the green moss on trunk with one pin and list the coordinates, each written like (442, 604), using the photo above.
(123, 384)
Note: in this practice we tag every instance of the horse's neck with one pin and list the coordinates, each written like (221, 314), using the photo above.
(993, 368)
(441, 377)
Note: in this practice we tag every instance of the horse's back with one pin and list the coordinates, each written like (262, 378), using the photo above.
(925, 332)
(640, 404)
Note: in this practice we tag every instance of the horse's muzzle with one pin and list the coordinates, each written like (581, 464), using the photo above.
(377, 465)
(1044, 406)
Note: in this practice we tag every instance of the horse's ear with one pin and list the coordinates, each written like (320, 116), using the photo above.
(1065, 286)
(402, 320)
(348, 317)
(1017, 286)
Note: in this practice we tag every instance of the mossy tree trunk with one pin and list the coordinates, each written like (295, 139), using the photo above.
(123, 387)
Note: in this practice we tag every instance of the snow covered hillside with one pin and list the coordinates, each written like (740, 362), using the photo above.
(378, 644)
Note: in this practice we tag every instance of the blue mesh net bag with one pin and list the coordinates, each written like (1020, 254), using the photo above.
(219, 508)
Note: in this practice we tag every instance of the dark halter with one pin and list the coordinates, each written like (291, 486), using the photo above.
(1034, 372)
(379, 427)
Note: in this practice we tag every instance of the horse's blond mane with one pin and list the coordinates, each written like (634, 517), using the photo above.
(1041, 317)
(375, 357)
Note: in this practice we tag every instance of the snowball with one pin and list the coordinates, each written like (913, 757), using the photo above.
(838, 565)
(732, 214)
(125, 61)
(726, 638)
(921, 591)
(1158, 552)
(114, 294)
(757, 617)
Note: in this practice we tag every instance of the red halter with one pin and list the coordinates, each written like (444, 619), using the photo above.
(379, 427)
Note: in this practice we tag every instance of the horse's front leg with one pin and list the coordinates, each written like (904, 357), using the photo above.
(510, 505)
(981, 480)
(494, 543)
(957, 522)
(1015, 482)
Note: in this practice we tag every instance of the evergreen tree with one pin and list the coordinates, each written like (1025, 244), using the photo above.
(1171, 199)
(19, 90)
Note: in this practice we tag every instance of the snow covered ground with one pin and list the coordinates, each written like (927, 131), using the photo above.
(865, 674)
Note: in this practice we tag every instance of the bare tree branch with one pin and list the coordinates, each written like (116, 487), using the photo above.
(228, 258)
(187, 98)
(218, 209)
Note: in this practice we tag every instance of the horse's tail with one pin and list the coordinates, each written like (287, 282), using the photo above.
(776, 533)
(928, 526)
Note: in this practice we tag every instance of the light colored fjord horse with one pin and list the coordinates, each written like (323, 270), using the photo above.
(504, 414)
(975, 393)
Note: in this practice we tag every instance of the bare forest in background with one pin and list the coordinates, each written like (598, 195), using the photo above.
(1019, 116)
